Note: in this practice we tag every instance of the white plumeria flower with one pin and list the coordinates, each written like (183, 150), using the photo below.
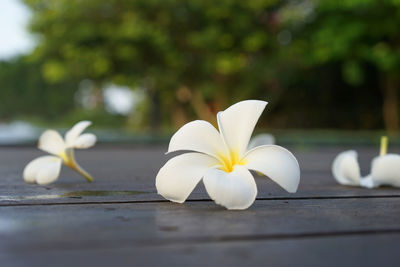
(222, 160)
(385, 169)
(46, 169)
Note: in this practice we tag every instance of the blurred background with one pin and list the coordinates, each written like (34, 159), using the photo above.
(139, 69)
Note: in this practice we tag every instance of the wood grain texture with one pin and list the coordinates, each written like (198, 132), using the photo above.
(120, 220)
(134, 169)
(357, 250)
(165, 223)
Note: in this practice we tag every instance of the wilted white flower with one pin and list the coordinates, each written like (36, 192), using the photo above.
(222, 159)
(46, 169)
(385, 169)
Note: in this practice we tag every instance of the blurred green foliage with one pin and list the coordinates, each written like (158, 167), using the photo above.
(318, 63)
(24, 91)
(362, 38)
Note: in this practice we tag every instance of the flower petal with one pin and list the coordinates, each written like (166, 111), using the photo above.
(237, 123)
(85, 141)
(277, 163)
(368, 182)
(52, 142)
(234, 190)
(180, 175)
(385, 170)
(49, 172)
(75, 131)
(345, 168)
(198, 136)
(43, 168)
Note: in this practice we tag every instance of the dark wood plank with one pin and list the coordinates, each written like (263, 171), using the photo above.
(128, 174)
(73, 222)
(357, 250)
(108, 225)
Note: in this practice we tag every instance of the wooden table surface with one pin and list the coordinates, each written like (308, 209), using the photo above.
(119, 220)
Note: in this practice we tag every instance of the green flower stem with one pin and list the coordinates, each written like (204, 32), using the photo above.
(84, 173)
(384, 145)
(69, 160)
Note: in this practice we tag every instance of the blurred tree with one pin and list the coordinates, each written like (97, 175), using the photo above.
(357, 35)
(24, 92)
(193, 57)
(306, 57)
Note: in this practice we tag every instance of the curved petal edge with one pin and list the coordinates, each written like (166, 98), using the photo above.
(385, 170)
(199, 136)
(345, 168)
(85, 141)
(236, 124)
(52, 142)
(75, 131)
(180, 175)
(42, 170)
(276, 162)
(235, 190)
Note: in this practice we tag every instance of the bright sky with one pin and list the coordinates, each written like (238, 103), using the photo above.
(14, 38)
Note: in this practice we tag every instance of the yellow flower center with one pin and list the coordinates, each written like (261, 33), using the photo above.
(230, 160)
(67, 161)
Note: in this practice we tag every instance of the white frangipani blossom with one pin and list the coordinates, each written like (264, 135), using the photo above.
(385, 169)
(46, 169)
(222, 159)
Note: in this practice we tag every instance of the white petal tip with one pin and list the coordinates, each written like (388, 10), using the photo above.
(168, 196)
(85, 141)
(199, 136)
(178, 201)
(385, 170)
(180, 175)
(345, 168)
(44, 182)
(368, 182)
(51, 142)
(74, 133)
(237, 122)
(43, 170)
(84, 124)
(239, 208)
(292, 190)
(236, 190)
(276, 162)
